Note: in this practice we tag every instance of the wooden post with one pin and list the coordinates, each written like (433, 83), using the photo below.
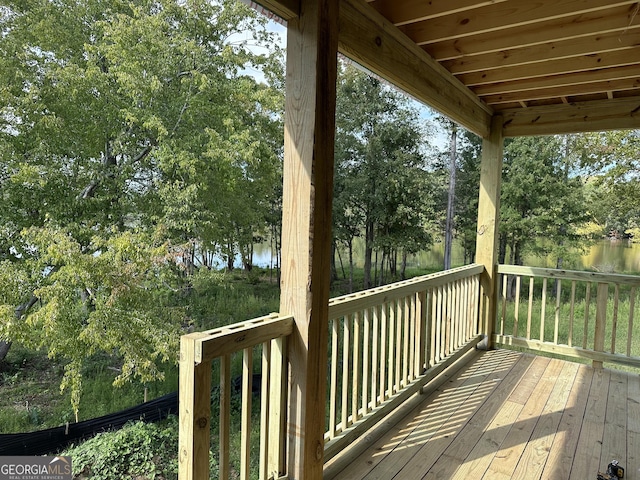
(488, 222)
(601, 320)
(312, 41)
(195, 413)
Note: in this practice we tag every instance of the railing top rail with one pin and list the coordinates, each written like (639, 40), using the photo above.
(343, 305)
(228, 339)
(570, 274)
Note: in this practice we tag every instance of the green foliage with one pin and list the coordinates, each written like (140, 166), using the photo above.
(540, 199)
(132, 141)
(381, 182)
(138, 450)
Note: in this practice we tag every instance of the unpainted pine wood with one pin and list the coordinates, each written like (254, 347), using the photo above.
(587, 304)
(264, 411)
(503, 295)
(614, 321)
(333, 388)
(195, 413)
(508, 456)
(543, 308)
(632, 303)
(375, 358)
(308, 166)
(383, 351)
(353, 371)
(224, 427)
(535, 454)
(562, 452)
(459, 459)
(439, 415)
(589, 448)
(530, 308)
(516, 313)
(441, 456)
(245, 429)
(614, 441)
(277, 407)
(399, 428)
(489, 217)
(346, 368)
(366, 362)
(557, 312)
(602, 298)
(632, 465)
(572, 312)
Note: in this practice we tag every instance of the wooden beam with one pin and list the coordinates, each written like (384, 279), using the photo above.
(195, 413)
(618, 19)
(410, 11)
(585, 64)
(312, 41)
(616, 114)
(568, 48)
(370, 40)
(498, 17)
(630, 72)
(565, 91)
(489, 219)
(285, 9)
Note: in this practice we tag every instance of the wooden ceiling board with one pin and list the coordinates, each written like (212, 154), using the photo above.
(551, 51)
(471, 59)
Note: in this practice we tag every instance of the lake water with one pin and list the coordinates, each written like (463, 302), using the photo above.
(619, 256)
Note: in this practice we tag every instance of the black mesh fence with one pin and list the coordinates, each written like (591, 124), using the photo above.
(55, 439)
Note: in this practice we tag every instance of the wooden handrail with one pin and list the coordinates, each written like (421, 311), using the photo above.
(571, 338)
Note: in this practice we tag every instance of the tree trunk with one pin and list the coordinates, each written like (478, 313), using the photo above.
(350, 265)
(4, 349)
(448, 233)
(333, 269)
(368, 253)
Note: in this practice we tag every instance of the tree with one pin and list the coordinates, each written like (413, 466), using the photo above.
(128, 132)
(542, 205)
(381, 178)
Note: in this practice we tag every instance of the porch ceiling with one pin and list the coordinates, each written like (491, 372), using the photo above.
(547, 66)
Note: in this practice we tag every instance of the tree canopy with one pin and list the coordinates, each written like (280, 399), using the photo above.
(132, 140)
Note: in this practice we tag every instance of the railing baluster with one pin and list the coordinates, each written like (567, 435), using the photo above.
(530, 308)
(557, 313)
(632, 304)
(355, 367)
(333, 397)
(391, 363)
(587, 301)
(601, 320)
(225, 416)
(516, 312)
(264, 411)
(505, 281)
(405, 341)
(433, 331)
(572, 313)
(398, 363)
(245, 429)
(365, 362)
(374, 357)
(614, 325)
(543, 309)
(346, 347)
(384, 320)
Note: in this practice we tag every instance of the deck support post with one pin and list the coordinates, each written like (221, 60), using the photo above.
(488, 222)
(312, 42)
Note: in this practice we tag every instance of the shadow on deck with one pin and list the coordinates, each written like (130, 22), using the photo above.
(505, 415)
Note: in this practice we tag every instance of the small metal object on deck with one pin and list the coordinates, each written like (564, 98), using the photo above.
(614, 470)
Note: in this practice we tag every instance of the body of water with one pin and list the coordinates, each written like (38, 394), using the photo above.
(619, 256)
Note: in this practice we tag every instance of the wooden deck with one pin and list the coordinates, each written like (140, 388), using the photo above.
(509, 415)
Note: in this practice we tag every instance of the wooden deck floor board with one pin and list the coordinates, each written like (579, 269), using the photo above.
(512, 415)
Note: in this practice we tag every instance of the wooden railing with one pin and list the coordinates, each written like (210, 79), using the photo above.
(198, 351)
(576, 314)
(387, 343)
